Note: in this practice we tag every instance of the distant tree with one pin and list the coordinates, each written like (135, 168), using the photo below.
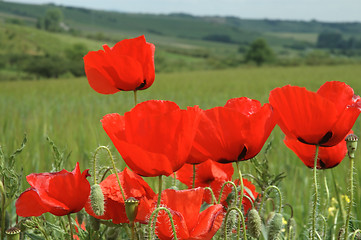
(52, 20)
(330, 40)
(259, 52)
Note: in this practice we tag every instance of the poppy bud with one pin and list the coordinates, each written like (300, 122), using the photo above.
(275, 226)
(254, 223)
(351, 142)
(291, 228)
(131, 208)
(13, 233)
(97, 199)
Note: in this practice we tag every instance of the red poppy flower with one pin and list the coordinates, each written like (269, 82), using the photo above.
(59, 193)
(328, 157)
(323, 118)
(133, 186)
(208, 174)
(189, 222)
(155, 137)
(127, 66)
(234, 132)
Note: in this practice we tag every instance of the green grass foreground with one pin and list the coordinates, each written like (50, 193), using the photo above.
(69, 112)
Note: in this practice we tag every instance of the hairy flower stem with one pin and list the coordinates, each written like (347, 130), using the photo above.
(194, 176)
(70, 226)
(113, 164)
(155, 216)
(315, 196)
(243, 223)
(214, 200)
(235, 191)
(279, 197)
(351, 198)
(241, 183)
(135, 97)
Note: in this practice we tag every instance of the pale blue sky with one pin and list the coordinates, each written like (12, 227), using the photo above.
(322, 10)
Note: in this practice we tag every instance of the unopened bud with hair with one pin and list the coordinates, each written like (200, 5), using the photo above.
(275, 226)
(97, 199)
(291, 228)
(254, 223)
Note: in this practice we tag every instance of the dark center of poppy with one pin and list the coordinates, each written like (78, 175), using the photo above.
(323, 140)
(142, 85)
(322, 164)
(242, 154)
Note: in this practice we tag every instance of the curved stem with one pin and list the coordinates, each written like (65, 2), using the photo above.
(348, 215)
(242, 219)
(214, 200)
(354, 233)
(315, 196)
(241, 184)
(194, 176)
(235, 191)
(155, 216)
(113, 164)
(279, 197)
(250, 200)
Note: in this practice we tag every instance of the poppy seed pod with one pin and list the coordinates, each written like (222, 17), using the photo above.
(13, 233)
(351, 142)
(97, 199)
(131, 208)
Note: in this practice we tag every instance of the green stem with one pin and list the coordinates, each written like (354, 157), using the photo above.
(315, 196)
(351, 198)
(135, 97)
(327, 193)
(235, 191)
(70, 226)
(3, 212)
(265, 195)
(175, 179)
(194, 176)
(242, 219)
(155, 216)
(160, 183)
(241, 183)
(132, 231)
(114, 168)
(214, 200)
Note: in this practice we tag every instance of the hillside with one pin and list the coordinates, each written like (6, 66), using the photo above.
(184, 42)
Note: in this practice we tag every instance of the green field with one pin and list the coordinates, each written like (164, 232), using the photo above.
(69, 112)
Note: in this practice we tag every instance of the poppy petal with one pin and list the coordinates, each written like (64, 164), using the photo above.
(30, 204)
(209, 221)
